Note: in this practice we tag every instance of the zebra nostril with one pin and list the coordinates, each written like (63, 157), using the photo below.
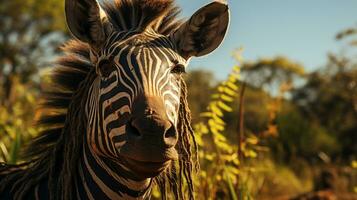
(171, 132)
(170, 137)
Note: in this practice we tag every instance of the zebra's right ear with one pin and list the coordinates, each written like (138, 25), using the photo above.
(204, 31)
(85, 22)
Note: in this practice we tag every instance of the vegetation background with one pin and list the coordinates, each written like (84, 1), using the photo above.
(270, 130)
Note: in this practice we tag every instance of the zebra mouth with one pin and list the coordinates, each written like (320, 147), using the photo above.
(145, 169)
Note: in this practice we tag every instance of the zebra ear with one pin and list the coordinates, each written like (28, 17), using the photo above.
(85, 22)
(204, 31)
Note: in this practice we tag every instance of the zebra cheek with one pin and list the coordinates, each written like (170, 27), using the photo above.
(94, 147)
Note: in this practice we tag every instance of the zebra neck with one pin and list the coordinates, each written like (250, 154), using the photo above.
(101, 178)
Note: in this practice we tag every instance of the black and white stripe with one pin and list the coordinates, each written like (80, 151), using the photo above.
(141, 69)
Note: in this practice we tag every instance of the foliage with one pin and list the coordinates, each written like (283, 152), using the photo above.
(50, 11)
(334, 88)
(200, 86)
(273, 180)
(347, 34)
(218, 159)
(30, 33)
(268, 73)
(354, 167)
(223, 175)
(300, 138)
(16, 122)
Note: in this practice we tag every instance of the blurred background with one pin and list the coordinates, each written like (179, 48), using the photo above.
(281, 120)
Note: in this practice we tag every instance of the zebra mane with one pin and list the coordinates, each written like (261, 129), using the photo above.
(44, 155)
(65, 79)
(125, 15)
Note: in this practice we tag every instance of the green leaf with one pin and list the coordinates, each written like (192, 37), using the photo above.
(224, 106)
(230, 186)
(15, 148)
(4, 153)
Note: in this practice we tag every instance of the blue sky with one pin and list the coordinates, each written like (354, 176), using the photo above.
(302, 30)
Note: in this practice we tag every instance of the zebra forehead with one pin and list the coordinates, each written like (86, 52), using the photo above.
(157, 47)
(148, 38)
(147, 56)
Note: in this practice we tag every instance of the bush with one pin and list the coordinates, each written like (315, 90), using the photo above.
(300, 137)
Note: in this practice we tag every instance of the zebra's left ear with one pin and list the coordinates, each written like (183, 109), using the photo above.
(86, 21)
(204, 31)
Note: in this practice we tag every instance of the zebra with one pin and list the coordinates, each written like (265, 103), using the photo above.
(119, 120)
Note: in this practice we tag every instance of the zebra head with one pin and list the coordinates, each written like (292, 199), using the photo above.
(133, 105)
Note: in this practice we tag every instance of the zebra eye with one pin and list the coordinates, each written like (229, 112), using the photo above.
(178, 69)
(105, 68)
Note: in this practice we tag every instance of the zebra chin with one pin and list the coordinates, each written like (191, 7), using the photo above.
(147, 162)
(144, 170)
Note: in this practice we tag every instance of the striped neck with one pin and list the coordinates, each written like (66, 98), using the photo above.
(103, 178)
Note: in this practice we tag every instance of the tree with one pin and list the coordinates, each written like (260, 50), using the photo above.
(272, 72)
(30, 32)
(330, 99)
(347, 34)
